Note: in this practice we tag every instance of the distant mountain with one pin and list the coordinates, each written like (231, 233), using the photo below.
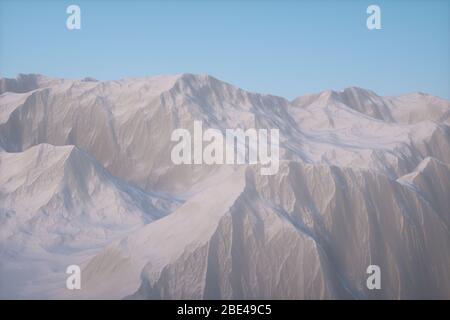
(25, 82)
(86, 178)
(407, 109)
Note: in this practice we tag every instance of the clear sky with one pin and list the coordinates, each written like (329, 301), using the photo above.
(287, 48)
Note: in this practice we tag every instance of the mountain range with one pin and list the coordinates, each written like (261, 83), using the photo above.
(86, 178)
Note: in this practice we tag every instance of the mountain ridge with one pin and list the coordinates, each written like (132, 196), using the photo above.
(86, 177)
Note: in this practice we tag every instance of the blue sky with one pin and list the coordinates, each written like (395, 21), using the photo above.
(287, 48)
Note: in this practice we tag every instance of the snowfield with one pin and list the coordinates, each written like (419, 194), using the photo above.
(86, 178)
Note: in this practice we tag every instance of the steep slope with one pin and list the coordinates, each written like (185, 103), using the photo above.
(431, 180)
(26, 82)
(126, 125)
(113, 120)
(406, 109)
(58, 201)
(364, 180)
(346, 131)
(309, 232)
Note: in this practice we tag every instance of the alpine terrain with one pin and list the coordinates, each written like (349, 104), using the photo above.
(86, 178)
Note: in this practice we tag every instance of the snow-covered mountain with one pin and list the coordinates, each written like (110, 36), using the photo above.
(57, 203)
(406, 109)
(86, 178)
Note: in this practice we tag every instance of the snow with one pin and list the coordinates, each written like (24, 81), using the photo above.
(86, 178)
